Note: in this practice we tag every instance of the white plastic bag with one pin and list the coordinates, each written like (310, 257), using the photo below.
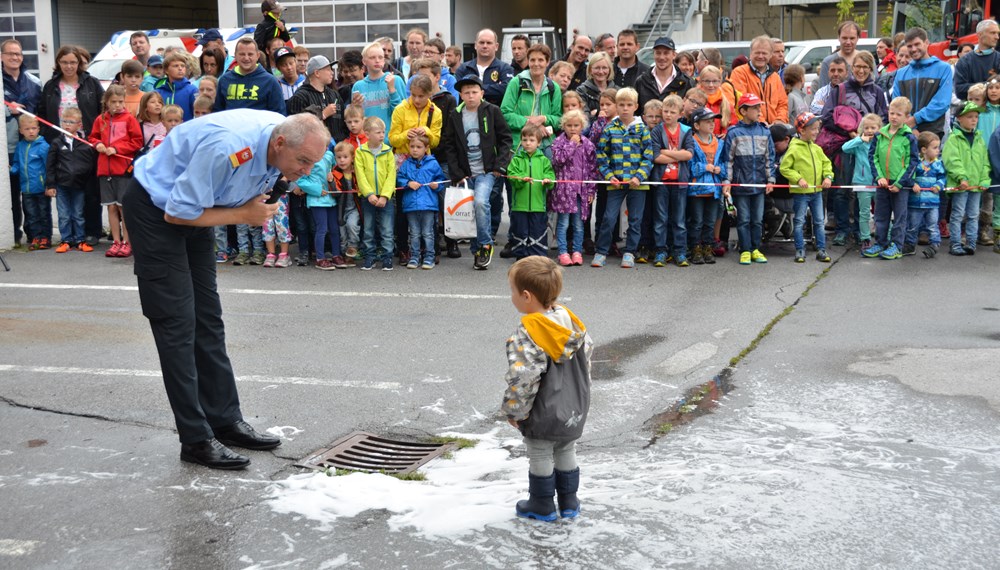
(459, 212)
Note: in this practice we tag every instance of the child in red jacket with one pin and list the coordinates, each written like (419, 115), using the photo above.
(116, 136)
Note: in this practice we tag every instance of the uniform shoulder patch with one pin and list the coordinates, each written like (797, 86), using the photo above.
(241, 157)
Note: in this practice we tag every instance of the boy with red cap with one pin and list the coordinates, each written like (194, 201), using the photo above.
(749, 158)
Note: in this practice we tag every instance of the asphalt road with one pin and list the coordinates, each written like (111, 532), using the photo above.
(861, 431)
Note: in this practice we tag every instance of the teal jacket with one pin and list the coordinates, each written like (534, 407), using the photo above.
(314, 183)
(529, 196)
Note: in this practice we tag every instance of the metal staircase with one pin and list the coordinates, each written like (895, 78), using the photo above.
(665, 17)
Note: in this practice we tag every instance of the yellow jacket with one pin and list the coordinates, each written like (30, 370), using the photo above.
(375, 171)
(405, 117)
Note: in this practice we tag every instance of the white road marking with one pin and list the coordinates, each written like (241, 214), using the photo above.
(376, 385)
(379, 294)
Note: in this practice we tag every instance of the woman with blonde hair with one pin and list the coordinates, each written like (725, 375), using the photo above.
(719, 101)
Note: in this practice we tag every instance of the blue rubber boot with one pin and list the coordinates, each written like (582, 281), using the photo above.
(567, 483)
(539, 505)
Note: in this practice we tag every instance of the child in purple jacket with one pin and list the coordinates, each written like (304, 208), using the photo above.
(574, 159)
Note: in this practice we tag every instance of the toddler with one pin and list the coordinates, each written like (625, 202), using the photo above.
(30, 156)
(929, 181)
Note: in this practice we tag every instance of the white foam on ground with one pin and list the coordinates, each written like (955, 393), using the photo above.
(475, 489)
(280, 431)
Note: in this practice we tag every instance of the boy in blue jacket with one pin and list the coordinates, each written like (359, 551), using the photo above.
(30, 157)
(421, 177)
(175, 87)
(749, 158)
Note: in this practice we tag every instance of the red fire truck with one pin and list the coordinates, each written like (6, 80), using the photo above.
(948, 22)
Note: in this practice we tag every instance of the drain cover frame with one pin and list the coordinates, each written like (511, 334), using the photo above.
(371, 453)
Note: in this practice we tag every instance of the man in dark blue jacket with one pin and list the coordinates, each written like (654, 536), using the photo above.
(249, 85)
(926, 82)
(494, 72)
(25, 90)
(980, 64)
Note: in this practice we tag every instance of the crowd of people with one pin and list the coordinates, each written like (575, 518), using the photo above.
(691, 146)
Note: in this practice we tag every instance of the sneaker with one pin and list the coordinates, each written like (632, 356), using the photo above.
(221, 257)
(839, 240)
(44, 244)
(111, 252)
(302, 260)
(577, 258)
(872, 251)
(242, 258)
(822, 256)
(718, 249)
(969, 249)
(270, 259)
(956, 250)
(506, 253)
(352, 252)
(745, 258)
(865, 244)
(628, 261)
(891, 252)
(413, 264)
(484, 255)
(427, 264)
(84, 247)
(126, 250)
(643, 256)
(599, 260)
(367, 264)
(91, 240)
(325, 265)
(909, 248)
(588, 247)
(387, 263)
(708, 253)
(757, 257)
(681, 260)
(660, 260)
(930, 251)
(34, 244)
(923, 239)
(800, 256)
(565, 260)
(63, 247)
(340, 263)
(284, 260)
(257, 258)
(698, 254)
(404, 255)
(943, 228)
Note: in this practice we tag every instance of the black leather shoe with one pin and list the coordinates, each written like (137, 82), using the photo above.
(242, 434)
(211, 453)
(508, 250)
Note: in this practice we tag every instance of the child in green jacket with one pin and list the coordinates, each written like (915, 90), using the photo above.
(809, 172)
(968, 166)
(893, 157)
(528, 219)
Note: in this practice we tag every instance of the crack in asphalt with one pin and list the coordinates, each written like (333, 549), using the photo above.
(15, 404)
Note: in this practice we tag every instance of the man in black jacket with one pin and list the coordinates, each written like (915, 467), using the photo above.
(664, 78)
(479, 149)
(628, 68)
(317, 91)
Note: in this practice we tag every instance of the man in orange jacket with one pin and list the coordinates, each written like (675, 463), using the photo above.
(758, 78)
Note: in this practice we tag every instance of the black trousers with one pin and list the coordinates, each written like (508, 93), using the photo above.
(175, 267)
(528, 232)
(17, 215)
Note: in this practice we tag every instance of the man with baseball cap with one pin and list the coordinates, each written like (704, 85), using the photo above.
(212, 40)
(664, 78)
(749, 158)
(316, 94)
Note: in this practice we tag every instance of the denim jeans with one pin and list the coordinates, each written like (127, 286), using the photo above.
(221, 239)
(69, 202)
(245, 235)
(350, 221)
(483, 191)
(385, 220)
(326, 220)
(840, 202)
(890, 206)
(635, 201)
(749, 220)
(964, 208)
(813, 203)
(701, 215)
(37, 216)
(562, 225)
(421, 225)
(669, 223)
(922, 220)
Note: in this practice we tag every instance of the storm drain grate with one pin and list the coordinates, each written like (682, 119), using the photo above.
(361, 451)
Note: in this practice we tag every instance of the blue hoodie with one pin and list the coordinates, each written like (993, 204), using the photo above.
(424, 171)
(927, 83)
(255, 90)
(314, 183)
(29, 163)
(181, 93)
(378, 101)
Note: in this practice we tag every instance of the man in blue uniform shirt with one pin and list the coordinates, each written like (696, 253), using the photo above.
(210, 172)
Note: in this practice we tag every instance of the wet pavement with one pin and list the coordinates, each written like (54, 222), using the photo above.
(860, 431)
